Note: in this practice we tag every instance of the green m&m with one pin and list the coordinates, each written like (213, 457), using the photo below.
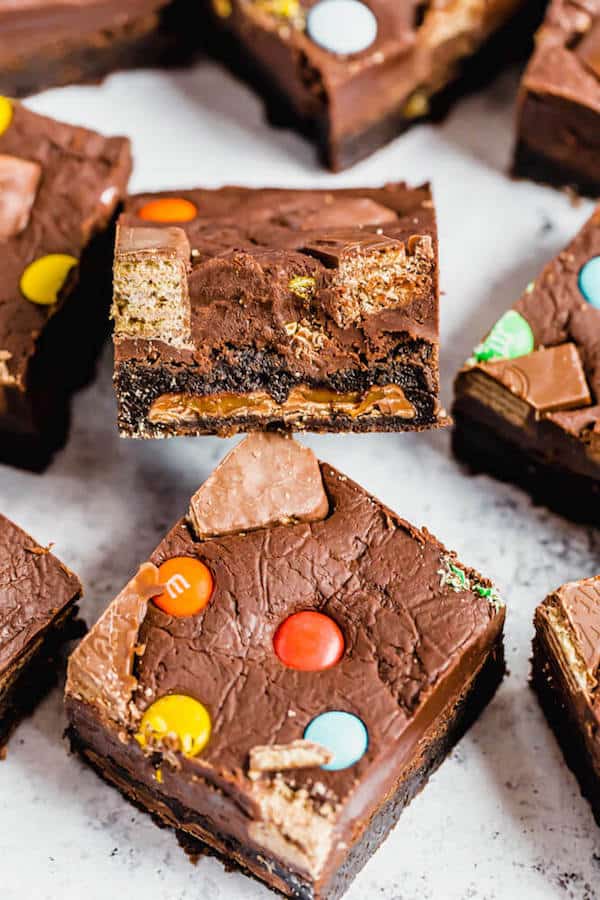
(510, 337)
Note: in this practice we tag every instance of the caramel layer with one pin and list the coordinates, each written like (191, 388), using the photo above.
(389, 400)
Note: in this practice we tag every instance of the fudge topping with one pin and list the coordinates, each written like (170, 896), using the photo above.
(34, 586)
(267, 479)
(273, 259)
(60, 185)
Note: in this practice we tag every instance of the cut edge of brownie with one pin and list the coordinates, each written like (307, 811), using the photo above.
(36, 670)
(170, 813)
(545, 679)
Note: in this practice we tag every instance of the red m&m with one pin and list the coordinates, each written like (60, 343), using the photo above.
(309, 641)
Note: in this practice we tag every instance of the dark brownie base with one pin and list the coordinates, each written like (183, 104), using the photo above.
(533, 166)
(37, 423)
(159, 39)
(511, 43)
(172, 814)
(39, 673)
(566, 730)
(567, 493)
(137, 386)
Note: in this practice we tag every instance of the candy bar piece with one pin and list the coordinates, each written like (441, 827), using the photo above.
(59, 190)
(353, 74)
(246, 310)
(559, 100)
(566, 656)
(38, 609)
(527, 402)
(46, 42)
(279, 693)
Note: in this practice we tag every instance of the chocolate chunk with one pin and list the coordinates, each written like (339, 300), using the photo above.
(298, 754)
(19, 179)
(580, 604)
(100, 670)
(150, 285)
(343, 212)
(267, 479)
(549, 380)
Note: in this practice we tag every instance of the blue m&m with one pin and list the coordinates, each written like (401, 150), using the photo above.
(343, 734)
(589, 281)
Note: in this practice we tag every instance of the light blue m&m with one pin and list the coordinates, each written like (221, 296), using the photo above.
(343, 734)
(589, 281)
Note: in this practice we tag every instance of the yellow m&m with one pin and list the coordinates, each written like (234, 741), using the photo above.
(43, 279)
(6, 113)
(176, 716)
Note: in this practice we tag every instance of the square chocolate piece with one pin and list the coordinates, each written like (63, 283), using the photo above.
(47, 42)
(242, 310)
(282, 676)
(565, 668)
(526, 403)
(354, 74)
(59, 190)
(558, 129)
(38, 609)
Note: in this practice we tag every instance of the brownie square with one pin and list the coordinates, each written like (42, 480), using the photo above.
(240, 309)
(353, 74)
(526, 403)
(558, 130)
(59, 188)
(38, 597)
(282, 676)
(46, 43)
(564, 675)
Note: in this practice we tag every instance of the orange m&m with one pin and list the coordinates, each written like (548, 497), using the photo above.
(309, 641)
(168, 209)
(188, 586)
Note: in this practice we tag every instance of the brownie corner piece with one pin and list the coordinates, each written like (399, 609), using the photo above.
(38, 614)
(559, 101)
(354, 74)
(564, 675)
(60, 186)
(284, 673)
(240, 310)
(526, 406)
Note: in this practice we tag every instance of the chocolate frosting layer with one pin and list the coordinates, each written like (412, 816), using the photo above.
(35, 588)
(262, 261)
(268, 479)
(417, 626)
(83, 177)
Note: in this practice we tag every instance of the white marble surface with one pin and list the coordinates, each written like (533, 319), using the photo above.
(503, 818)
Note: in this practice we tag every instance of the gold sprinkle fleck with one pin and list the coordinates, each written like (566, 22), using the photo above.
(416, 106)
(223, 8)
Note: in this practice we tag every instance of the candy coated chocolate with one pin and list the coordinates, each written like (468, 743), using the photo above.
(309, 641)
(343, 733)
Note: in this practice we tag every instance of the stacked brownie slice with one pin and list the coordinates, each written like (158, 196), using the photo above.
(526, 403)
(38, 609)
(284, 673)
(559, 100)
(59, 189)
(353, 74)
(239, 309)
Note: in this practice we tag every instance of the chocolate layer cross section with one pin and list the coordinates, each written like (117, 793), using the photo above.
(243, 310)
(527, 401)
(277, 682)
